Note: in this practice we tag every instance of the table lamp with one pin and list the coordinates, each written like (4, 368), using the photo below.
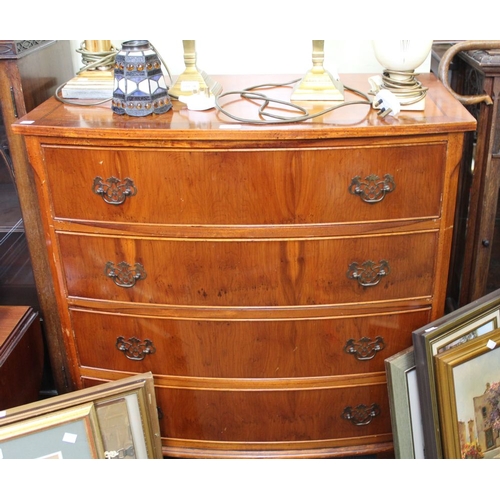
(400, 58)
(192, 80)
(318, 84)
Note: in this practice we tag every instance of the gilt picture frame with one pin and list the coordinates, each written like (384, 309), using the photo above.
(125, 410)
(468, 384)
(458, 327)
(64, 434)
(404, 405)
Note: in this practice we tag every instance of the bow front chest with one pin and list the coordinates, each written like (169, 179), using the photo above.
(262, 272)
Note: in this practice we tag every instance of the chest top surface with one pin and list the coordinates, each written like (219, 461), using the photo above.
(442, 114)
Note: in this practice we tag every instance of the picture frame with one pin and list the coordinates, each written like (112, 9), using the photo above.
(69, 433)
(404, 405)
(458, 327)
(468, 383)
(125, 412)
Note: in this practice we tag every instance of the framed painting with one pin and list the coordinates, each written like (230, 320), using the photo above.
(125, 410)
(64, 434)
(404, 404)
(459, 327)
(468, 383)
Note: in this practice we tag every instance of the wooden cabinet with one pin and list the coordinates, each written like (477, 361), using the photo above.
(21, 356)
(30, 72)
(262, 273)
(475, 71)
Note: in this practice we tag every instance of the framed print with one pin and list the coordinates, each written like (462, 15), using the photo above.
(404, 403)
(70, 433)
(126, 415)
(468, 383)
(459, 327)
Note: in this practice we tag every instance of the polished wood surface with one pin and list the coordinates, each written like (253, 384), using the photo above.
(442, 113)
(246, 245)
(242, 348)
(232, 200)
(21, 356)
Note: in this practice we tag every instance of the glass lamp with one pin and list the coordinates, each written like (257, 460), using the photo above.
(139, 85)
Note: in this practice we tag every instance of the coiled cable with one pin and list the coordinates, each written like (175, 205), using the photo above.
(404, 85)
(104, 60)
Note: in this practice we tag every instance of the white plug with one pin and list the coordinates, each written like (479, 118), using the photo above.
(199, 101)
(387, 103)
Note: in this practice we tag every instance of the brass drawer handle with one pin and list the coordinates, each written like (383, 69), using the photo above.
(361, 414)
(372, 189)
(365, 348)
(114, 191)
(369, 274)
(134, 348)
(123, 274)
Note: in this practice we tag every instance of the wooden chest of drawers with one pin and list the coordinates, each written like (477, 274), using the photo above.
(262, 273)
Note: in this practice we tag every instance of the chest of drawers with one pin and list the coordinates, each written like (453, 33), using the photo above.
(262, 273)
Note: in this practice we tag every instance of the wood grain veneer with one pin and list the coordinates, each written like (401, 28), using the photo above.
(246, 243)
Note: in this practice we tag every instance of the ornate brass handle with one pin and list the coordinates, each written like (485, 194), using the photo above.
(123, 274)
(372, 189)
(134, 348)
(114, 191)
(365, 348)
(361, 414)
(448, 57)
(369, 274)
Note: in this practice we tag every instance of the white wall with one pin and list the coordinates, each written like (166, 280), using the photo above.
(261, 57)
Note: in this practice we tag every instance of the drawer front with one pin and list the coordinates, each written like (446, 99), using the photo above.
(256, 273)
(242, 349)
(275, 415)
(246, 186)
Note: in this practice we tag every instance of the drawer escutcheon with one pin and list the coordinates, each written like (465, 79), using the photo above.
(361, 414)
(134, 348)
(364, 349)
(124, 275)
(114, 191)
(372, 189)
(369, 273)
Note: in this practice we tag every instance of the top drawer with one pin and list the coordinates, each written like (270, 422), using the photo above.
(243, 187)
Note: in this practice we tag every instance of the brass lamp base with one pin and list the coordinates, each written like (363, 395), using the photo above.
(96, 84)
(318, 87)
(192, 80)
(318, 84)
(96, 79)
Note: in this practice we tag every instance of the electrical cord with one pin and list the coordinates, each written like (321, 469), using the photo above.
(104, 60)
(272, 118)
(405, 86)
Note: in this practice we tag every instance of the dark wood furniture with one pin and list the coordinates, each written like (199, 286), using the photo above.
(250, 267)
(21, 356)
(30, 71)
(471, 70)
